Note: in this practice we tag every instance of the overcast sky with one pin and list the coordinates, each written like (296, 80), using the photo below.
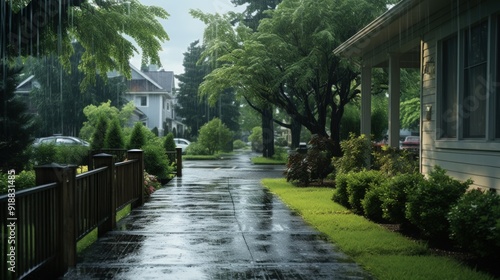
(182, 28)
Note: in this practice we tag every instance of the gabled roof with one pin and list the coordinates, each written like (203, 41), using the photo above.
(163, 78)
(137, 74)
(25, 86)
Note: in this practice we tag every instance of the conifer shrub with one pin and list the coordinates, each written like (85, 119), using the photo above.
(429, 203)
(156, 161)
(169, 145)
(475, 223)
(99, 135)
(114, 136)
(137, 138)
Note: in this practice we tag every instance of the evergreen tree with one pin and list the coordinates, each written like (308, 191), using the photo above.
(15, 122)
(169, 145)
(114, 136)
(99, 134)
(137, 138)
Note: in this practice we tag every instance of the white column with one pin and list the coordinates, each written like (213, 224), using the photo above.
(394, 98)
(366, 100)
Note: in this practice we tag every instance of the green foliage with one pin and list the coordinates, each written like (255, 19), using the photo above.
(238, 144)
(99, 134)
(114, 136)
(256, 139)
(137, 138)
(214, 135)
(372, 203)
(169, 145)
(429, 204)
(50, 153)
(44, 154)
(341, 196)
(23, 180)
(475, 223)
(196, 148)
(358, 184)
(356, 152)
(105, 110)
(394, 195)
(393, 161)
(16, 125)
(155, 131)
(156, 161)
(410, 113)
(297, 169)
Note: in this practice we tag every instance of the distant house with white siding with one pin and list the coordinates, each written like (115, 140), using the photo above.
(153, 93)
(455, 44)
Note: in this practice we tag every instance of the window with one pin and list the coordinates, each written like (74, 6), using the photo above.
(141, 101)
(475, 81)
(449, 92)
(466, 95)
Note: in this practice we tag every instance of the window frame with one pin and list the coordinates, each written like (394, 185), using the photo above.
(491, 139)
(139, 99)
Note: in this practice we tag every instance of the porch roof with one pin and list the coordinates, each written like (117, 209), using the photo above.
(398, 30)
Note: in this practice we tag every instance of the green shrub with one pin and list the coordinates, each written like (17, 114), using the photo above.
(238, 144)
(475, 223)
(256, 139)
(215, 136)
(99, 134)
(358, 184)
(77, 155)
(372, 202)
(169, 145)
(280, 154)
(394, 195)
(394, 161)
(114, 136)
(195, 148)
(340, 195)
(137, 138)
(281, 142)
(44, 154)
(156, 161)
(23, 180)
(429, 204)
(356, 152)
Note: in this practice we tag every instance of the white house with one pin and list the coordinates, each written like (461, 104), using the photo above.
(455, 44)
(153, 94)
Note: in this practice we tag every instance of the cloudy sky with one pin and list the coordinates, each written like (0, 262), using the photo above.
(182, 28)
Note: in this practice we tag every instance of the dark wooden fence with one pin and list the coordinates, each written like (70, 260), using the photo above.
(39, 240)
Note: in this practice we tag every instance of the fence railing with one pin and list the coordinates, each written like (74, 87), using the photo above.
(40, 232)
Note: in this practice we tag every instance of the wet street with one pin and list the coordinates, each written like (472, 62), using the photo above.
(216, 222)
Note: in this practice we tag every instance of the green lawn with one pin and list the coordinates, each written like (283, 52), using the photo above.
(267, 161)
(384, 254)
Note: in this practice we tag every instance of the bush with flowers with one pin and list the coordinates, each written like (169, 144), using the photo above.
(151, 183)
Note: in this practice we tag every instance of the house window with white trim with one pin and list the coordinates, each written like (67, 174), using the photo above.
(141, 101)
(464, 85)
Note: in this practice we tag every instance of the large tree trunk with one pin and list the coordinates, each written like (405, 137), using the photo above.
(335, 131)
(267, 132)
(296, 128)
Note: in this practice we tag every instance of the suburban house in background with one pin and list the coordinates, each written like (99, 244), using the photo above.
(153, 93)
(455, 44)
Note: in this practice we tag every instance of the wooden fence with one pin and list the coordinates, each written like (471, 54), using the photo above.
(43, 225)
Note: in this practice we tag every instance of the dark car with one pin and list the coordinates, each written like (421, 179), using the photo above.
(61, 141)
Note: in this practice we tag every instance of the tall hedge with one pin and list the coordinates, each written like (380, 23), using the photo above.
(114, 136)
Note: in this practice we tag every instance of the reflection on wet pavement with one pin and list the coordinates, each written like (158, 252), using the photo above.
(215, 223)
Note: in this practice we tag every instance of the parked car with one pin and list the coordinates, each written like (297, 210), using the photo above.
(181, 143)
(411, 143)
(62, 141)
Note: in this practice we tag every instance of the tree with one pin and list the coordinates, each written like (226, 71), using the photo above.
(105, 110)
(99, 134)
(169, 145)
(215, 136)
(137, 138)
(31, 27)
(114, 136)
(15, 122)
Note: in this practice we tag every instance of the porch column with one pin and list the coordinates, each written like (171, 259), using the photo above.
(366, 100)
(394, 98)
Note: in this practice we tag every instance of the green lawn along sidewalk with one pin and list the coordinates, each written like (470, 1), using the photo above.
(384, 254)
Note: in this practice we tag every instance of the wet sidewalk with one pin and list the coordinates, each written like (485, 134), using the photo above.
(216, 222)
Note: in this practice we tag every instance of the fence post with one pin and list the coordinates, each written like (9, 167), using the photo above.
(106, 160)
(179, 162)
(65, 176)
(139, 156)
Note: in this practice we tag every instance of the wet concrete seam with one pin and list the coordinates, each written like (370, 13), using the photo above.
(238, 221)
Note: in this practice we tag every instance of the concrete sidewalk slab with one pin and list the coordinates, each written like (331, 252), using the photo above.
(216, 222)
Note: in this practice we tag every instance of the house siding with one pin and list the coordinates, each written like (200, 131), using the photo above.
(463, 159)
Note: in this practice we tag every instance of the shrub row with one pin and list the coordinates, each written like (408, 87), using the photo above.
(439, 207)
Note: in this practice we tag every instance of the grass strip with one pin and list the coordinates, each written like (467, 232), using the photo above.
(267, 161)
(384, 254)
